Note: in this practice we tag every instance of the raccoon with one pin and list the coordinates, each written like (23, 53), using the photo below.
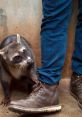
(17, 65)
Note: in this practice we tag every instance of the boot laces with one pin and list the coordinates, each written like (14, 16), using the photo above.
(37, 87)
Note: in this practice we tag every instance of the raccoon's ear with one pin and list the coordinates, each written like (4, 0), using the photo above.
(2, 52)
(18, 39)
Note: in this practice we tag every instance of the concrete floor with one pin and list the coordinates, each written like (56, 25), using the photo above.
(69, 104)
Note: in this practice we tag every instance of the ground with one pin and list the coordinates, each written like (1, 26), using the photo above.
(69, 104)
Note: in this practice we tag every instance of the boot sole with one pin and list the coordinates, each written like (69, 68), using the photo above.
(72, 94)
(48, 109)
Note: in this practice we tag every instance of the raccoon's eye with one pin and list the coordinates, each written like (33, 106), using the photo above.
(17, 59)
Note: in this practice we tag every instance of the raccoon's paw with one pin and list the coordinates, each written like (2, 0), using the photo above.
(5, 101)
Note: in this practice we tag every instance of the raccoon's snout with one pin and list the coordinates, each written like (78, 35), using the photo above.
(29, 61)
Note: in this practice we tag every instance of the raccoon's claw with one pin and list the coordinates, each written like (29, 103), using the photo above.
(5, 101)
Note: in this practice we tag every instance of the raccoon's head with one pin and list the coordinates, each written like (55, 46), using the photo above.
(16, 54)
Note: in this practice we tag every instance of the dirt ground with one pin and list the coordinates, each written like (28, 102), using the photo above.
(69, 104)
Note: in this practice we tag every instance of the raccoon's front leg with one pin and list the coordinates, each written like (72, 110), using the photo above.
(5, 82)
(33, 74)
(6, 89)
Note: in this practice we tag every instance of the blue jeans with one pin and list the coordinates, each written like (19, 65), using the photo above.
(77, 55)
(56, 17)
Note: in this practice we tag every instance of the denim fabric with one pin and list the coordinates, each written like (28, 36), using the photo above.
(77, 55)
(56, 17)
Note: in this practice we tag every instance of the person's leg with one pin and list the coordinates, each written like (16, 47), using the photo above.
(56, 15)
(77, 55)
(76, 79)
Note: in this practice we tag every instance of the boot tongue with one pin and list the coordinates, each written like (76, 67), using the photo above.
(77, 76)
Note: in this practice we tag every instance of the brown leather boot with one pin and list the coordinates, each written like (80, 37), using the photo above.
(76, 88)
(44, 98)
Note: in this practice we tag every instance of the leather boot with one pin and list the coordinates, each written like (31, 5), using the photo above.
(76, 88)
(44, 98)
